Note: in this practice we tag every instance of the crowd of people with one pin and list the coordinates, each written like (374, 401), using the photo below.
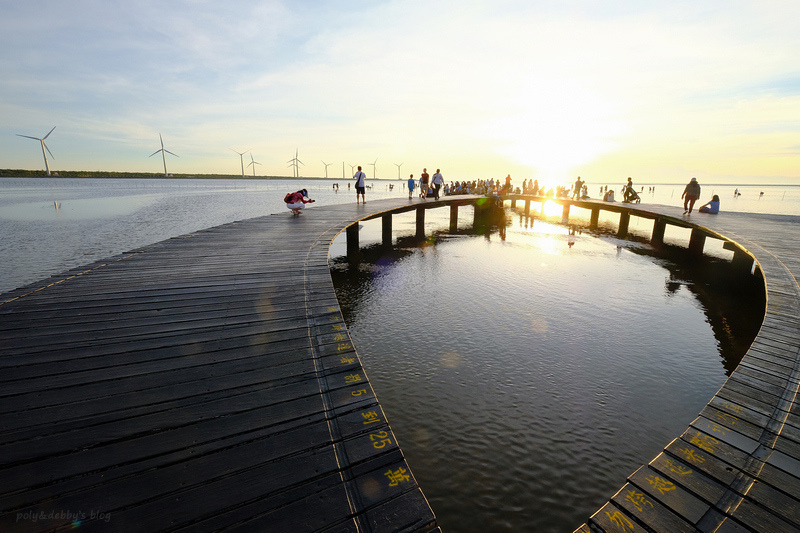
(434, 187)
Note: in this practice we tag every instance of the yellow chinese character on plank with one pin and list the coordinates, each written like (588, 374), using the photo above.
(339, 337)
(705, 442)
(660, 484)
(732, 407)
(397, 476)
(348, 360)
(343, 347)
(638, 500)
(370, 417)
(620, 519)
(725, 417)
(352, 378)
(332, 309)
(677, 468)
(337, 327)
(691, 455)
(335, 318)
(716, 428)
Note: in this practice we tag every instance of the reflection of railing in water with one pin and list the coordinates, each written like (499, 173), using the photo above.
(743, 260)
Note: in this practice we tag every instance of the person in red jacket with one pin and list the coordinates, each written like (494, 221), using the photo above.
(296, 201)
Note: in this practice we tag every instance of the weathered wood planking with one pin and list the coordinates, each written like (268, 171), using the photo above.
(204, 382)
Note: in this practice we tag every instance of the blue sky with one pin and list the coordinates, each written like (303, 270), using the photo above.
(660, 91)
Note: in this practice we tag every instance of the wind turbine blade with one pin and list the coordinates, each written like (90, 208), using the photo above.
(301, 162)
(162, 140)
(176, 155)
(48, 149)
(154, 153)
(29, 137)
(48, 134)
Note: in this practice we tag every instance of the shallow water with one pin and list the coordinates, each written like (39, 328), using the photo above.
(526, 376)
(98, 218)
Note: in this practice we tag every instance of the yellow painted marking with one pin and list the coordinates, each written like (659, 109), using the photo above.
(359, 392)
(676, 468)
(380, 439)
(638, 500)
(705, 442)
(660, 484)
(725, 417)
(352, 378)
(348, 360)
(620, 519)
(343, 347)
(397, 476)
(691, 455)
(371, 417)
(339, 337)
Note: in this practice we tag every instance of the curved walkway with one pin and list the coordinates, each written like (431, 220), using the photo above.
(208, 382)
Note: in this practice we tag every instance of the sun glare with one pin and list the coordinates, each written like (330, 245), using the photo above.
(555, 127)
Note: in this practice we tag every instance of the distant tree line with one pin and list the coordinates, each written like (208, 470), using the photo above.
(20, 173)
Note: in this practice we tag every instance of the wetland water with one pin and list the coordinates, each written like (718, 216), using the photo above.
(527, 372)
(525, 378)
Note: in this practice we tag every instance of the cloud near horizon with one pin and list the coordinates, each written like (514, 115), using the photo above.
(535, 89)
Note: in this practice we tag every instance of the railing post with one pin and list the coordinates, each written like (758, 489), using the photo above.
(352, 241)
(386, 230)
(420, 223)
(624, 220)
(453, 218)
(659, 226)
(697, 241)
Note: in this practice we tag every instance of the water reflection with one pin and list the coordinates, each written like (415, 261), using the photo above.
(527, 368)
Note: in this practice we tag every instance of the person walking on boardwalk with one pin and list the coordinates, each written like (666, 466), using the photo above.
(411, 184)
(690, 195)
(438, 181)
(361, 184)
(576, 190)
(423, 183)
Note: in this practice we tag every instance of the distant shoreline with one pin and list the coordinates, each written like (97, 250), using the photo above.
(81, 174)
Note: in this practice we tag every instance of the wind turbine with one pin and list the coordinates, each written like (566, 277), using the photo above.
(163, 152)
(398, 168)
(241, 159)
(374, 167)
(44, 147)
(295, 163)
(253, 163)
(326, 168)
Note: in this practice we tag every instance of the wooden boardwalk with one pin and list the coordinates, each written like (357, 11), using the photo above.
(737, 465)
(208, 383)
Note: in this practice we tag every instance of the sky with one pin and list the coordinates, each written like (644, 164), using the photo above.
(659, 91)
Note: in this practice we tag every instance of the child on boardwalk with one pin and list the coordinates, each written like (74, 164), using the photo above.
(411, 184)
